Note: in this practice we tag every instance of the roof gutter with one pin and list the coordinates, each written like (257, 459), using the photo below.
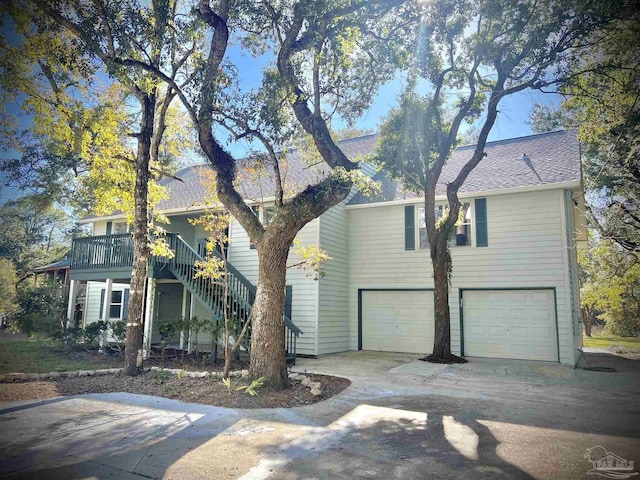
(168, 211)
(486, 193)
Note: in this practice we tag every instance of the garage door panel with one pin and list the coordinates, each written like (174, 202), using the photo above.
(519, 324)
(397, 321)
(520, 331)
(495, 331)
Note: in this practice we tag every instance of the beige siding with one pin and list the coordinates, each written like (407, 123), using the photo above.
(526, 249)
(305, 289)
(100, 228)
(180, 224)
(333, 301)
(92, 306)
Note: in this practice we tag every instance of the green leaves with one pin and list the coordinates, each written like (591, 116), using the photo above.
(611, 285)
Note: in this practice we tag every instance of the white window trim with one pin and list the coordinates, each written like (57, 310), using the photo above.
(472, 222)
(121, 304)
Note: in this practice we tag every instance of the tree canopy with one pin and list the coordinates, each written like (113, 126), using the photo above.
(602, 100)
(468, 57)
(611, 285)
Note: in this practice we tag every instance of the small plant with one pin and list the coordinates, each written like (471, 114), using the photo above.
(227, 383)
(161, 376)
(73, 338)
(118, 333)
(94, 331)
(181, 374)
(167, 331)
(252, 388)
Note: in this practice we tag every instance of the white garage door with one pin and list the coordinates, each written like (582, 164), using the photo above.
(519, 324)
(397, 321)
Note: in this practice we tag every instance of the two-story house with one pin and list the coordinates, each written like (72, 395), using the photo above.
(514, 289)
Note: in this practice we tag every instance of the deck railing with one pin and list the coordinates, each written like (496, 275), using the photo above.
(102, 252)
(115, 252)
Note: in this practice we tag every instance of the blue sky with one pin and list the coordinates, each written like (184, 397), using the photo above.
(512, 120)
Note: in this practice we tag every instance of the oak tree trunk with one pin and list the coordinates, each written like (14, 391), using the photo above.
(441, 261)
(141, 249)
(442, 333)
(267, 336)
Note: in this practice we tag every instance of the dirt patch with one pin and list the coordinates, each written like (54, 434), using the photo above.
(27, 391)
(197, 390)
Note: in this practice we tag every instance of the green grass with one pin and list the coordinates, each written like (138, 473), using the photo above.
(605, 342)
(39, 357)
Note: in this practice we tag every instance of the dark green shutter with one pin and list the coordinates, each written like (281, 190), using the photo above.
(482, 239)
(288, 301)
(125, 304)
(101, 302)
(409, 228)
(109, 226)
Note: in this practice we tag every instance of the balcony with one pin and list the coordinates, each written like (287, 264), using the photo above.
(102, 257)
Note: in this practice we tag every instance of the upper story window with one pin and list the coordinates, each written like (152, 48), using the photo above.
(120, 227)
(415, 230)
(268, 214)
(462, 230)
(461, 235)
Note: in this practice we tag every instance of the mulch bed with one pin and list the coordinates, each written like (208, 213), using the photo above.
(198, 390)
(188, 361)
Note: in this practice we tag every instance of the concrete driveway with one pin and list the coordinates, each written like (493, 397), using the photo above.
(401, 418)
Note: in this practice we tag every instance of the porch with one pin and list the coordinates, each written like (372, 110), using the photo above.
(172, 291)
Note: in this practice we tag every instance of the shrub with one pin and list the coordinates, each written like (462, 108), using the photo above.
(118, 331)
(41, 310)
(94, 331)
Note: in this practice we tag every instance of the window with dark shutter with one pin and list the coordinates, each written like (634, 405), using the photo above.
(482, 239)
(409, 228)
(288, 301)
(101, 303)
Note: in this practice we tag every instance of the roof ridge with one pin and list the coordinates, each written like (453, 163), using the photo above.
(515, 139)
(359, 137)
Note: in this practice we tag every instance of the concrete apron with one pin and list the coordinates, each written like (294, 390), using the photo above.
(400, 418)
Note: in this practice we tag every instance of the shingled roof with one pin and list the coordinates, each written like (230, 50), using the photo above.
(550, 158)
(297, 175)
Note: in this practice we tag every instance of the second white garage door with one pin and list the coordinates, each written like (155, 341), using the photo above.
(397, 321)
(518, 324)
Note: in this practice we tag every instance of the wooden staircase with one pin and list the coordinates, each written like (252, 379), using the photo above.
(91, 255)
(241, 292)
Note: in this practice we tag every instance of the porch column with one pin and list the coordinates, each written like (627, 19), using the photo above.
(186, 306)
(191, 307)
(106, 307)
(73, 293)
(148, 316)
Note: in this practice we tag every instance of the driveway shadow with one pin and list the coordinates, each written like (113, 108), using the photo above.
(403, 449)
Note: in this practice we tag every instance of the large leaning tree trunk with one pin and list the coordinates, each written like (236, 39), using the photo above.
(141, 241)
(268, 345)
(302, 29)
